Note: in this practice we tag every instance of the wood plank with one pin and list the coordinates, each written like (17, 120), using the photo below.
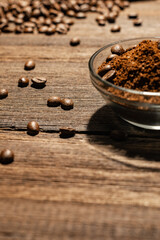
(86, 187)
(23, 219)
(67, 71)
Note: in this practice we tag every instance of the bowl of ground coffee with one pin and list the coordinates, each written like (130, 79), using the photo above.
(127, 74)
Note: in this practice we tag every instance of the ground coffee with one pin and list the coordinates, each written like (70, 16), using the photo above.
(137, 68)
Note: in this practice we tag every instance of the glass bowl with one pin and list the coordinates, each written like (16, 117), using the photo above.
(140, 108)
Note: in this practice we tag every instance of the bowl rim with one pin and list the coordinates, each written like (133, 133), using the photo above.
(107, 83)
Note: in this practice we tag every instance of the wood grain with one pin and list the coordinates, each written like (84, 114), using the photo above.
(89, 186)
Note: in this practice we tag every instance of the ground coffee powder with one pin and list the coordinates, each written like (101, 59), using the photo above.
(137, 68)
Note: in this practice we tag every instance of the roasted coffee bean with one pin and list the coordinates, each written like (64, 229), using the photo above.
(28, 30)
(101, 23)
(109, 75)
(100, 18)
(110, 57)
(23, 82)
(126, 4)
(80, 15)
(33, 128)
(116, 28)
(3, 93)
(6, 156)
(104, 70)
(68, 21)
(71, 13)
(137, 22)
(67, 132)
(159, 44)
(51, 30)
(133, 15)
(67, 104)
(118, 135)
(39, 81)
(117, 49)
(75, 41)
(54, 101)
(43, 29)
(29, 65)
(61, 28)
(111, 17)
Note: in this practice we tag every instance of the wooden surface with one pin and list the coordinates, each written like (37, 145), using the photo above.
(89, 186)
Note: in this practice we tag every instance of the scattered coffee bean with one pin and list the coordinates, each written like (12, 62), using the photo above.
(118, 135)
(110, 57)
(54, 101)
(137, 22)
(100, 18)
(117, 49)
(126, 4)
(6, 156)
(33, 128)
(23, 82)
(133, 15)
(29, 65)
(80, 15)
(116, 28)
(104, 70)
(101, 23)
(111, 18)
(67, 104)
(75, 41)
(3, 93)
(67, 132)
(109, 75)
(39, 81)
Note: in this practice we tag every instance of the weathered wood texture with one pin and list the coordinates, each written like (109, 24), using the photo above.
(89, 186)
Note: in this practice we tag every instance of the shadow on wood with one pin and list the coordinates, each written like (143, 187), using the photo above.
(141, 144)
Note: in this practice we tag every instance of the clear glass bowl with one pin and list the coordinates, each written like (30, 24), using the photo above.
(139, 108)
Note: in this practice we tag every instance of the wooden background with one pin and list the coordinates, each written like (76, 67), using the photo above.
(89, 186)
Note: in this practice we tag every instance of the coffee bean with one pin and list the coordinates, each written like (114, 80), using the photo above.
(67, 104)
(43, 29)
(100, 18)
(137, 22)
(116, 28)
(54, 101)
(61, 28)
(33, 128)
(109, 75)
(39, 81)
(51, 30)
(159, 44)
(28, 30)
(133, 15)
(80, 15)
(117, 49)
(101, 23)
(6, 156)
(104, 70)
(70, 13)
(29, 65)
(110, 57)
(3, 93)
(75, 41)
(67, 132)
(68, 21)
(118, 135)
(126, 4)
(111, 17)
(23, 82)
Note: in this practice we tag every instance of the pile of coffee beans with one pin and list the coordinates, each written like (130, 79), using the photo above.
(55, 16)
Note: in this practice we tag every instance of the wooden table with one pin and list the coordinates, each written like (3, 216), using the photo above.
(89, 186)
